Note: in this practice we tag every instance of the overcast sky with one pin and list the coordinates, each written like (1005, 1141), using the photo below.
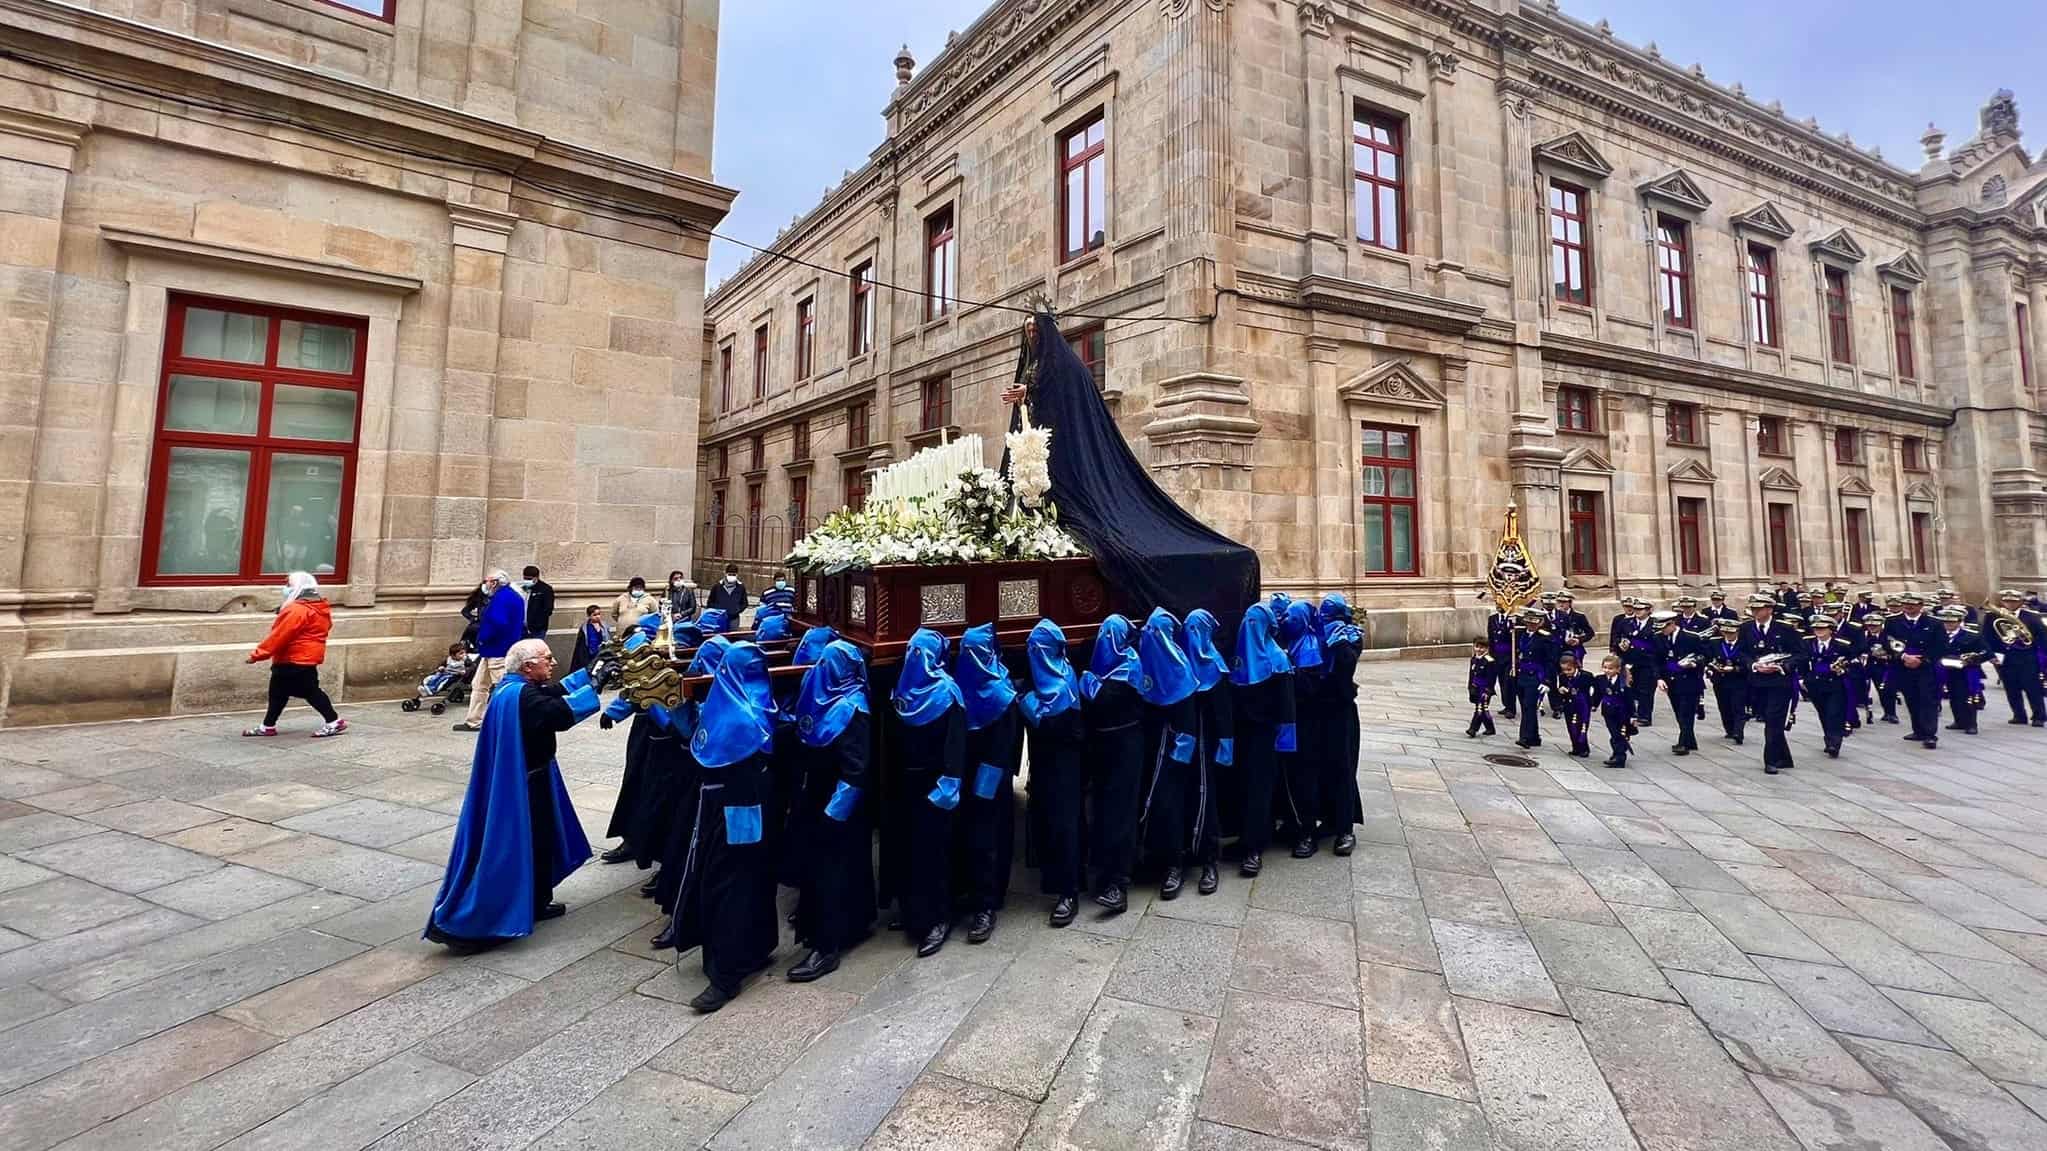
(801, 83)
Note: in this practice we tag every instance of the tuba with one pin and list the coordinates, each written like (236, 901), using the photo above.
(2011, 631)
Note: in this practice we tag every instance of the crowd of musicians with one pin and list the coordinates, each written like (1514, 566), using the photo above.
(1853, 660)
(1147, 750)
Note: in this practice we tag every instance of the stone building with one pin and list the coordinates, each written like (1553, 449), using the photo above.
(1371, 273)
(395, 291)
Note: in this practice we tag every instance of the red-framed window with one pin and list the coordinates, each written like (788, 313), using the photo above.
(252, 471)
(1391, 512)
(860, 317)
(1584, 533)
(799, 440)
(935, 403)
(1674, 270)
(2025, 336)
(385, 10)
(1922, 543)
(1901, 334)
(799, 507)
(806, 337)
(753, 521)
(1762, 294)
(1570, 244)
(1847, 446)
(856, 425)
(1379, 176)
(1084, 187)
(1577, 410)
(1681, 423)
(1091, 344)
(1770, 438)
(725, 378)
(1691, 536)
(1778, 519)
(855, 483)
(760, 362)
(756, 453)
(1840, 337)
(941, 263)
(718, 521)
(1855, 528)
(1913, 451)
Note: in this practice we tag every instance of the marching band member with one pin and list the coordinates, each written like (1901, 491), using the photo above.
(1827, 662)
(1301, 768)
(1730, 679)
(1537, 651)
(1499, 627)
(1114, 713)
(1632, 641)
(1058, 821)
(1718, 609)
(1212, 701)
(1173, 746)
(1870, 680)
(1691, 619)
(1616, 706)
(1770, 654)
(1481, 681)
(1570, 626)
(1572, 695)
(1948, 597)
(1680, 660)
(1865, 606)
(987, 827)
(1262, 706)
(1960, 672)
(1343, 808)
(931, 746)
(2020, 651)
(1920, 644)
(831, 832)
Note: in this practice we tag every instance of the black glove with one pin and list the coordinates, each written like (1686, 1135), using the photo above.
(604, 722)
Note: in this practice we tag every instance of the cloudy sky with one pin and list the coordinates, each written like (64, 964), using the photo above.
(801, 83)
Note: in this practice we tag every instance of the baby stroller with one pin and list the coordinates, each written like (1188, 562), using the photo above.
(442, 687)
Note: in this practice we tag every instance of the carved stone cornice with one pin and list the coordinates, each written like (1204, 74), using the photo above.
(1904, 268)
(1574, 153)
(1373, 301)
(1174, 9)
(1678, 190)
(1839, 247)
(1661, 370)
(990, 48)
(1764, 219)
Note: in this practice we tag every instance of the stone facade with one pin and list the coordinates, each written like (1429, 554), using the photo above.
(508, 197)
(1257, 348)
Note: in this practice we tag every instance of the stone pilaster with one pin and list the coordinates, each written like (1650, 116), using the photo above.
(491, 87)
(461, 509)
(1443, 65)
(1532, 454)
(1323, 245)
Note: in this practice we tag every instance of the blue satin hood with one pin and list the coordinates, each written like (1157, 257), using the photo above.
(709, 656)
(983, 679)
(1302, 635)
(737, 719)
(924, 689)
(1054, 689)
(770, 627)
(834, 691)
(1115, 658)
(1209, 665)
(1168, 673)
(1337, 625)
(813, 643)
(1259, 657)
(712, 621)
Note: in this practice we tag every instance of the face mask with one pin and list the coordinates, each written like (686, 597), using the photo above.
(527, 584)
(780, 584)
(675, 583)
(638, 592)
(731, 579)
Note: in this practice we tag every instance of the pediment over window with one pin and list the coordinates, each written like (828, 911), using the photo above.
(1393, 382)
(1904, 268)
(1690, 471)
(1572, 151)
(1779, 479)
(1766, 220)
(1841, 246)
(1587, 460)
(1677, 190)
(1856, 486)
(1920, 491)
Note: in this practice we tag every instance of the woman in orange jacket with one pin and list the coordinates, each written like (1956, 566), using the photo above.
(295, 647)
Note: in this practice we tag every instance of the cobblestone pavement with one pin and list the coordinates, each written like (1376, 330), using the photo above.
(207, 940)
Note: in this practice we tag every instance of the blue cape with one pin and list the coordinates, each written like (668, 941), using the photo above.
(834, 691)
(1168, 673)
(769, 626)
(709, 656)
(649, 624)
(1302, 636)
(812, 644)
(1209, 665)
(1337, 625)
(983, 679)
(1053, 690)
(1114, 658)
(712, 621)
(488, 890)
(924, 689)
(737, 719)
(1259, 658)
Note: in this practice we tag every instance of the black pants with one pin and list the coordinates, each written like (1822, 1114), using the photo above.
(1617, 736)
(1922, 700)
(540, 803)
(296, 681)
(1959, 701)
(2021, 682)
(1684, 701)
(1731, 695)
(1530, 691)
(1578, 728)
(1831, 702)
(1642, 689)
(1772, 704)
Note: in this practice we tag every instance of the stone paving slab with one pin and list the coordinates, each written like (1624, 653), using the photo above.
(220, 948)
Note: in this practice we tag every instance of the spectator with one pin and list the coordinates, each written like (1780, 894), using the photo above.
(682, 597)
(730, 595)
(539, 602)
(627, 609)
(472, 611)
(781, 596)
(589, 638)
(502, 624)
(296, 647)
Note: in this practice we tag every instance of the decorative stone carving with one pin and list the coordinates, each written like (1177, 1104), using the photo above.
(1174, 9)
(1920, 491)
(1838, 245)
(1394, 382)
(1676, 190)
(1587, 461)
(1690, 472)
(1903, 268)
(1572, 151)
(1314, 18)
(2000, 117)
(1856, 486)
(1443, 62)
(1993, 192)
(1779, 479)
(1764, 219)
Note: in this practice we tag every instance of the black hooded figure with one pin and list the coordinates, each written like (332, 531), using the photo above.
(985, 840)
(1336, 721)
(831, 830)
(1058, 782)
(1175, 780)
(1115, 757)
(1301, 769)
(1262, 708)
(931, 748)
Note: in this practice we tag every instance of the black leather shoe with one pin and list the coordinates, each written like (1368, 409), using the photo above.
(1890, 719)
(1304, 847)
(933, 940)
(816, 965)
(709, 1000)
(1211, 879)
(1113, 900)
(1969, 730)
(1680, 749)
(1931, 744)
(665, 940)
(1833, 753)
(2016, 721)
(551, 911)
(982, 927)
(1064, 910)
(1345, 843)
(1169, 888)
(619, 854)
(2040, 723)
(647, 888)
(1769, 769)
(1252, 865)
(1954, 727)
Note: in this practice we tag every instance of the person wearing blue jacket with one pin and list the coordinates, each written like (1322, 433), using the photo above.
(501, 624)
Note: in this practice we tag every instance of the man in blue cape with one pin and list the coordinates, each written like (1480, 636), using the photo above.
(518, 836)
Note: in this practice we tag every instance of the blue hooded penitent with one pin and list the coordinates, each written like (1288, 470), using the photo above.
(1053, 690)
(1337, 625)
(737, 719)
(1209, 665)
(1168, 673)
(1259, 658)
(834, 691)
(1115, 658)
(770, 625)
(984, 681)
(924, 689)
(488, 890)
(1302, 636)
(712, 621)
(812, 644)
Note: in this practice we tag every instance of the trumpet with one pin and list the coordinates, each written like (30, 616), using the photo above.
(1722, 667)
(1775, 661)
(1840, 666)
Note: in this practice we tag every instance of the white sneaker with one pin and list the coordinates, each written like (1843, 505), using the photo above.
(261, 729)
(336, 728)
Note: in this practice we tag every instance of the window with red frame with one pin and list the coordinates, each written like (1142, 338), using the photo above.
(1681, 423)
(1674, 270)
(1770, 438)
(1922, 543)
(1779, 521)
(1390, 512)
(1084, 187)
(1855, 528)
(856, 426)
(1691, 536)
(799, 440)
(936, 404)
(718, 522)
(860, 321)
(1840, 338)
(1584, 517)
(1847, 446)
(252, 472)
(1379, 176)
(725, 378)
(1913, 449)
(385, 10)
(1762, 294)
(806, 337)
(799, 507)
(760, 362)
(1576, 410)
(855, 481)
(1901, 334)
(756, 452)
(2025, 336)
(1091, 344)
(753, 521)
(1570, 245)
(941, 263)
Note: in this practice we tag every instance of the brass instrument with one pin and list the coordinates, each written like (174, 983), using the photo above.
(1626, 645)
(1840, 666)
(1722, 667)
(1775, 660)
(2008, 626)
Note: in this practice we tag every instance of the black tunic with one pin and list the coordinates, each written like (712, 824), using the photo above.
(1259, 711)
(1339, 805)
(1176, 779)
(1115, 769)
(725, 901)
(833, 860)
(927, 754)
(1057, 816)
(985, 838)
(625, 811)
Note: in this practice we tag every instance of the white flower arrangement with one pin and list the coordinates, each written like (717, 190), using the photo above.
(1030, 464)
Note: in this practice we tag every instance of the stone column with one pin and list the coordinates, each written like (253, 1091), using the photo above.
(1332, 561)
(1443, 124)
(461, 519)
(1323, 245)
(1533, 456)
(881, 421)
(491, 87)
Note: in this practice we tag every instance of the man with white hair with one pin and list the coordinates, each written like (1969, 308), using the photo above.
(501, 624)
(518, 836)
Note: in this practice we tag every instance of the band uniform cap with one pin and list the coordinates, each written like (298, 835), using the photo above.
(1564, 595)
(2009, 593)
(1761, 600)
(1865, 593)
(1685, 601)
(1952, 613)
(1912, 597)
(1873, 619)
(1823, 621)
(1946, 593)
(1727, 624)
(1662, 617)
(1716, 593)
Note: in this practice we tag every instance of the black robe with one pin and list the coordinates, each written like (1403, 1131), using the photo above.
(925, 755)
(725, 899)
(985, 835)
(1259, 711)
(1057, 814)
(832, 859)
(1301, 770)
(1181, 801)
(626, 810)
(1340, 807)
(1115, 769)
